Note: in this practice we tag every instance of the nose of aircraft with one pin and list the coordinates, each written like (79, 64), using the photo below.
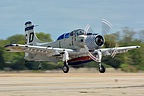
(99, 40)
(94, 41)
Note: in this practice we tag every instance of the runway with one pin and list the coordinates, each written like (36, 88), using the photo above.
(71, 84)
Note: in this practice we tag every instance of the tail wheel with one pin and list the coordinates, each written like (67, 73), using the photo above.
(102, 69)
(65, 69)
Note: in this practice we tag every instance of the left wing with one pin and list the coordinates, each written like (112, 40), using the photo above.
(114, 51)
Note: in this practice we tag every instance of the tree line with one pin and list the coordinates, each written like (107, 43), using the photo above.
(131, 61)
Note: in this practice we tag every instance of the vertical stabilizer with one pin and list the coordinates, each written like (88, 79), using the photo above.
(30, 35)
(31, 38)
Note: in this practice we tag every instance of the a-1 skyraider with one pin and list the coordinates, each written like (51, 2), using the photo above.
(76, 47)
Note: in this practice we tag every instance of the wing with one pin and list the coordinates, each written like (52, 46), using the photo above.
(33, 49)
(39, 52)
(113, 51)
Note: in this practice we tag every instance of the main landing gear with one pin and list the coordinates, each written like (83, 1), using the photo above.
(65, 68)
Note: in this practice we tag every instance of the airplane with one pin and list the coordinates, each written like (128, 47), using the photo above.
(73, 48)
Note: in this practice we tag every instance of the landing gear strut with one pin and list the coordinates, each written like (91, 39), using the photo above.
(101, 68)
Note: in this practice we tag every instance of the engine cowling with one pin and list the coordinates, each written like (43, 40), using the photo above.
(94, 41)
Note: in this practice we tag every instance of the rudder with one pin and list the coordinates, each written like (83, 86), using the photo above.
(31, 38)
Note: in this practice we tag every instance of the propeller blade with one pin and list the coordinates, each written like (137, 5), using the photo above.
(106, 26)
(95, 58)
(115, 51)
(88, 29)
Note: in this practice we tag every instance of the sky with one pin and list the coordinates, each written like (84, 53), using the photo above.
(60, 16)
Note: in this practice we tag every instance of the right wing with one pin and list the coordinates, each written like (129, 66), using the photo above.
(39, 53)
(35, 49)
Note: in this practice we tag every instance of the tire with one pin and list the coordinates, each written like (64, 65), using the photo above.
(102, 69)
(65, 69)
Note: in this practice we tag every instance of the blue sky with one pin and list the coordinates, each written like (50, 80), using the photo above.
(60, 16)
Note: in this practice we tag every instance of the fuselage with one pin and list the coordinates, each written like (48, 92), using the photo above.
(74, 40)
(77, 39)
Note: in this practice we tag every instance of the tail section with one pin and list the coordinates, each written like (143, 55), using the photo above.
(31, 38)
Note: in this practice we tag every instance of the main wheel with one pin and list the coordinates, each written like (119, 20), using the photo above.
(65, 69)
(102, 69)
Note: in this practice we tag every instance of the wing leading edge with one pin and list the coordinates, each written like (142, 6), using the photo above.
(34, 49)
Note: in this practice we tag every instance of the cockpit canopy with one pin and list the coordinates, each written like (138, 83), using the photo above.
(77, 32)
(65, 35)
(73, 33)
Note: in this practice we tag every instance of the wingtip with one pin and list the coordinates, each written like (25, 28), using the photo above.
(138, 47)
(8, 45)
